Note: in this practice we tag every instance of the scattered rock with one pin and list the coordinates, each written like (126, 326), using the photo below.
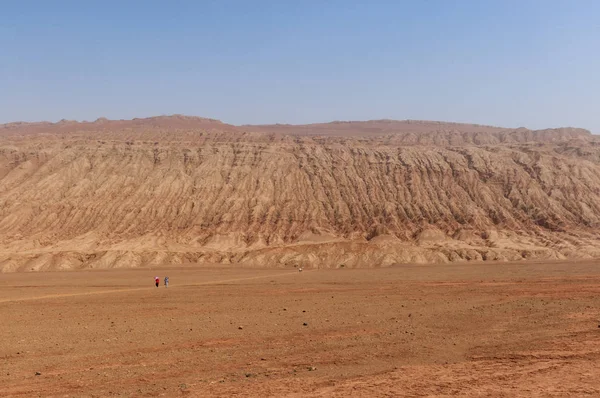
(305, 324)
(38, 373)
(240, 327)
(311, 368)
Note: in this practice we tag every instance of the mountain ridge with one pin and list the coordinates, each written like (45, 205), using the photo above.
(166, 190)
(197, 121)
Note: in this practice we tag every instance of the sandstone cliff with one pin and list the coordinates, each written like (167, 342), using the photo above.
(172, 190)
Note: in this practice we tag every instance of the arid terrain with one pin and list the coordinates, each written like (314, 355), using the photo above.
(476, 329)
(174, 190)
(396, 223)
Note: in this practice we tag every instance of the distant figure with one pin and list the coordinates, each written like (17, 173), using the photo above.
(166, 281)
(156, 280)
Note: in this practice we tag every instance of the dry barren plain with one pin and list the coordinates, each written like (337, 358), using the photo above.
(477, 329)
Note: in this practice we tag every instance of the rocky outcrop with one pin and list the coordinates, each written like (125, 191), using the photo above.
(175, 190)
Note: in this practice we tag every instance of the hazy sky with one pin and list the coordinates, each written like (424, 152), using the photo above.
(502, 62)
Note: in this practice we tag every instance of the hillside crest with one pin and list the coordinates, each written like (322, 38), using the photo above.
(178, 189)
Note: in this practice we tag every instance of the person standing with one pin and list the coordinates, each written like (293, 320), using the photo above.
(166, 281)
(156, 280)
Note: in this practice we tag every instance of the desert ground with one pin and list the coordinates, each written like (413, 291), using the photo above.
(476, 329)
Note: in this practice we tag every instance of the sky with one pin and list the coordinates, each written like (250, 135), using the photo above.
(510, 63)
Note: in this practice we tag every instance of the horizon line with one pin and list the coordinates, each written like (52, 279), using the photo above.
(103, 119)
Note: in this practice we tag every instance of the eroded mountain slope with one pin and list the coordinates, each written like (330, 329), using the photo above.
(176, 190)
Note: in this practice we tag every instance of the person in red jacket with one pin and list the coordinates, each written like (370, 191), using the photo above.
(156, 280)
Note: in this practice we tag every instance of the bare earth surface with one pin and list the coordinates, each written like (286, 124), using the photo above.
(512, 329)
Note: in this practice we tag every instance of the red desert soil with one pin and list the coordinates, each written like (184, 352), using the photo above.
(511, 329)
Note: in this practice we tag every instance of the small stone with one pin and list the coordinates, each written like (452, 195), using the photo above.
(240, 328)
(305, 324)
(311, 368)
(38, 374)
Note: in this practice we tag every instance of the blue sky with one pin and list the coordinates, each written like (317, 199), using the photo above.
(502, 62)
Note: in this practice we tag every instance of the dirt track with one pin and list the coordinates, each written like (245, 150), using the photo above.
(526, 329)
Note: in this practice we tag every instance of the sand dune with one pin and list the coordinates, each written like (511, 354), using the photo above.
(178, 189)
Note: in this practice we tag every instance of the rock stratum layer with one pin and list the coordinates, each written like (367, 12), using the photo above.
(176, 190)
